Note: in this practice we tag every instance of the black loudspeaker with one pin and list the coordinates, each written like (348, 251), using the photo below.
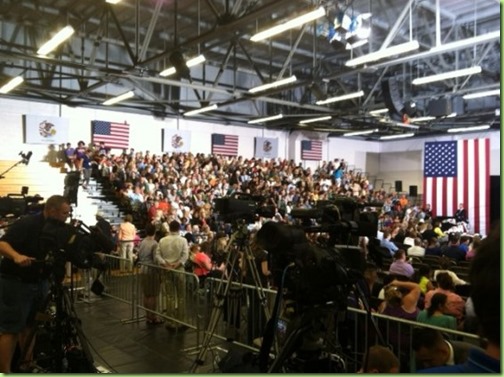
(398, 186)
(440, 107)
(391, 96)
(413, 191)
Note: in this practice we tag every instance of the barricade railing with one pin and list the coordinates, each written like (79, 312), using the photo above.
(174, 293)
(242, 321)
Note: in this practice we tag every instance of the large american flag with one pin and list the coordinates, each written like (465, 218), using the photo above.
(114, 135)
(225, 144)
(458, 172)
(311, 150)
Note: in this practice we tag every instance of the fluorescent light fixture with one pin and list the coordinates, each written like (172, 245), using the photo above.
(274, 84)
(357, 133)
(385, 53)
(190, 63)
(202, 110)
(487, 93)
(11, 84)
(120, 98)
(467, 129)
(267, 119)
(447, 75)
(356, 44)
(452, 115)
(112, 1)
(467, 42)
(195, 61)
(497, 112)
(341, 98)
(295, 22)
(55, 41)
(422, 119)
(306, 121)
(400, 136)
(378, 112)
(168, 72)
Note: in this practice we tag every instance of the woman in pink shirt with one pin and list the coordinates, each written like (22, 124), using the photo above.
(126, 237)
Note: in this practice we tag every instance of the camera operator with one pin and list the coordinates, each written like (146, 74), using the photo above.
(23, 281)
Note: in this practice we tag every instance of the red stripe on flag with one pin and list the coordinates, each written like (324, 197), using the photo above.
(425, 191)
(455, 202)
(466, 174)
(477, 198)
(444, 196)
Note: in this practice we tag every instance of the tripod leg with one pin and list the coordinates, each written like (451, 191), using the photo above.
(220, 297)
(287, 349)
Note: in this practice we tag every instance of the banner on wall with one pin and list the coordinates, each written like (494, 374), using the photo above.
(39, 129)
(175, 140)
(266, 147)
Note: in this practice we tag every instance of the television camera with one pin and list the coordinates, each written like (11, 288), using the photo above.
(243, 207)
(76, 243)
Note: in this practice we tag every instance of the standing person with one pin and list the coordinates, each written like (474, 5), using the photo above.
(174, 252)
(148, 254)
(24, 283)
(126, 238)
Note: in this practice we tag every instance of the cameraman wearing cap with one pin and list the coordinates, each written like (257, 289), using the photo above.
(23, 282)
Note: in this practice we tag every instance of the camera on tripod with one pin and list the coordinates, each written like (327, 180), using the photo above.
(76, 243)
(243, 207)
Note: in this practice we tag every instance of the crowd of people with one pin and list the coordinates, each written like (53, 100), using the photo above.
(171, 198)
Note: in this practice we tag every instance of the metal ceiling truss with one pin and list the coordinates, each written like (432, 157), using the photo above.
(124, 47)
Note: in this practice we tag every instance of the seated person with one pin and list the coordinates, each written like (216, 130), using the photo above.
(433, 247)
(435, 316)
(453, 250)
(455, 304)
(202, 264)
(416, 250)
(380, 359)
(444, 269)
(400, 266)
(387, 243)
(433, 350)
(486, 295)
(424, 278)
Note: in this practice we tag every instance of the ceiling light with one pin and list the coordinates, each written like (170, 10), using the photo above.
(306, 121)
(356, 44)
(467, 42)
(452, 115)
(195, 61)
(168, 72)
(55, 41)
(400, 136)
(274, 84)
(378, 112)
(341, 98)
(385, 53)
(422, 119)
(357, 133)
(447, 75)
(295, 22)
(190, 63)
(202, 110)
(487, 93)
(467, 129)
(113, 1)
(267, 119)
(11, 84)
(120, 98)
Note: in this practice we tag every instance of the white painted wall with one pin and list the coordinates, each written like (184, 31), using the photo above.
(391, 161)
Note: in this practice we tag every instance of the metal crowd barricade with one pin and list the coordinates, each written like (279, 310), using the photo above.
(177, 295)
(120, 281)
(242, 321)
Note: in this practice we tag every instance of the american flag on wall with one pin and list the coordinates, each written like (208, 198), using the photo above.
(459, 172)
(114, 135)
(225, 144)
(311, 150)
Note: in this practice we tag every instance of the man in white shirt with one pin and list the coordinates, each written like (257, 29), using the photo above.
(174, 251)
(416, 250)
